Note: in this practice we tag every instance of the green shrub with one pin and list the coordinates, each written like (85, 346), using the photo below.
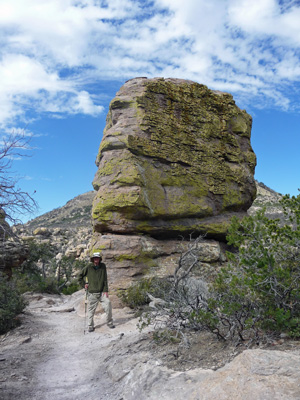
(72, 288)
(51, 278)
(11, 305)
(33, 281)
(256, 296)
(48, 285)
(136, 295)
(258, 293)
(162, 336)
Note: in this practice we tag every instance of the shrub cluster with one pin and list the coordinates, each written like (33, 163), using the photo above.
(137, 295)
(41, 273)
(37, 274)
(11, 305)
(254, 297)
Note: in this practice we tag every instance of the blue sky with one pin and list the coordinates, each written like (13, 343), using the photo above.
(62, 61)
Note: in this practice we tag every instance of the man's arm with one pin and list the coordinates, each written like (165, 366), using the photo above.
(105, 287)
(81, 276)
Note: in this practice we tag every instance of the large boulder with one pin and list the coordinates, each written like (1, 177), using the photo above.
(175, 158)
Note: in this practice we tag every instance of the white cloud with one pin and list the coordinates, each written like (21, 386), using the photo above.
(253, 15)
(266, 17)
(22, 74)
(51, 49)
(25, 82)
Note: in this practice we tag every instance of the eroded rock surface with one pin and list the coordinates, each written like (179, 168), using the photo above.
(175, 158)
(131, 257)
(254, 374)
(13, 253)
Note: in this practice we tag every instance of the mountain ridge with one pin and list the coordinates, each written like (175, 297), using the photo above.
(76, 212)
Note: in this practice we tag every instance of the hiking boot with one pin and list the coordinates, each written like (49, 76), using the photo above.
(91, 329)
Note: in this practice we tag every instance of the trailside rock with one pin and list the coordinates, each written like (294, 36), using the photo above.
(13, 253)
(254, 374)
(130, 257)
(175, 158)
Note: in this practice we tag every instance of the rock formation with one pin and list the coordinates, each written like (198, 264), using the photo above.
(13, 252)
(269, 200)
(68, 229)
(254, 374)
(175, 160)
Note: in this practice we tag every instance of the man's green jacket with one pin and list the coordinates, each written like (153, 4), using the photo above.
(96, 278)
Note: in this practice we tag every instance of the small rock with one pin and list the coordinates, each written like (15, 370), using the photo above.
(23, 378)
(284, 335)
(26, 340)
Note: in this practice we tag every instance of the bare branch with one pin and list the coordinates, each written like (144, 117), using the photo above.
(13, 200)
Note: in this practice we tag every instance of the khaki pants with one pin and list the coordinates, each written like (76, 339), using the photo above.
(93, 300)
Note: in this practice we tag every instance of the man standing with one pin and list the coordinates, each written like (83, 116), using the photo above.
(94, 278)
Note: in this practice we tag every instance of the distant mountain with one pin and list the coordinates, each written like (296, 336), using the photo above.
(67, 228)
(74, 214)
(269, 199)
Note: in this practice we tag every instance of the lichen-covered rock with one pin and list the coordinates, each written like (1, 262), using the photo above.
(175, 158)
(42, 231)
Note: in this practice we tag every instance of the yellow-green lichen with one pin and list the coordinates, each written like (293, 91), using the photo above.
(124, 257)
(119, 103)
(187, 156)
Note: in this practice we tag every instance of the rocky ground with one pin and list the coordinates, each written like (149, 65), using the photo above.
(50, 356)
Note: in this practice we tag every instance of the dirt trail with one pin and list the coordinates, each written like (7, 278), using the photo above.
(49, 356)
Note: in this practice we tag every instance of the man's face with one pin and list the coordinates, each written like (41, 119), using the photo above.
(96, 260)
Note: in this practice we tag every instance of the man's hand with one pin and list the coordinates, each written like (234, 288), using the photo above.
(105, 294)
(86, 286)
